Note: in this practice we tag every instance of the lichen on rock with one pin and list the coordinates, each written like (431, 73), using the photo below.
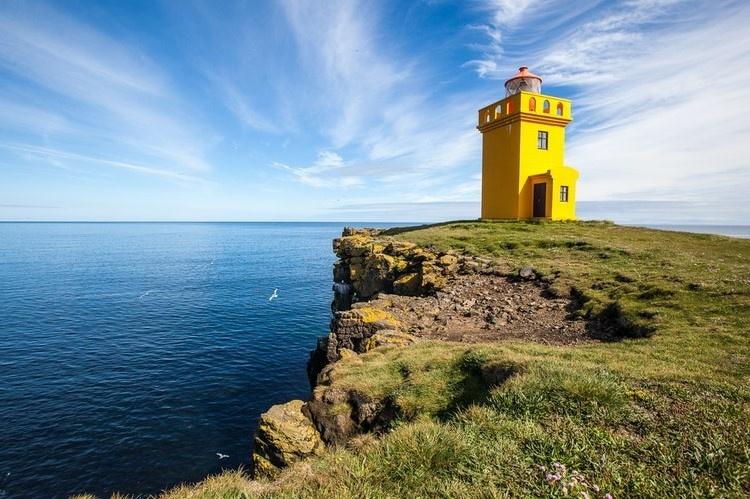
(284, 435)
(391, 338)
(372, 264)
(407, 284)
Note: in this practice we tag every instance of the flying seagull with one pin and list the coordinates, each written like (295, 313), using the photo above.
(222, 456)
(274, 295)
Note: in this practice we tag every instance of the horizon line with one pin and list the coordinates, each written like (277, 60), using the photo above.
(687, 224)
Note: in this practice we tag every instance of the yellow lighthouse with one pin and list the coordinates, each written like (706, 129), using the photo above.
(523, 152)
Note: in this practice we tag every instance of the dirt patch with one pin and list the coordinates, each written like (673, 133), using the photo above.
(475, 308)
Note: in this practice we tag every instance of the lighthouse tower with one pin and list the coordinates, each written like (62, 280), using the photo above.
(523, 154)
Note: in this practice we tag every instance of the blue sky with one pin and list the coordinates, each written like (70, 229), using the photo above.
(189, 110)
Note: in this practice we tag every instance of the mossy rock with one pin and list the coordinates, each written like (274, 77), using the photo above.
(370, 315)
(285, 435)
(448, 260)
(346, 354)
(407, 284)
(353, 246)
(399, 248)
(432, 278)
(390, 338)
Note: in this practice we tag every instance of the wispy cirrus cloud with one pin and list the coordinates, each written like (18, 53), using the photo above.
(99, 92)
(329, 171)
(239, 104)
(512, 31)
(55, 157)
(655, 95)
(503, 15)
(341, 57)
(376, 102)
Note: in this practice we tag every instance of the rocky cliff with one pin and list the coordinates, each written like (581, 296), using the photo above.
(368, 266)
(394, 293)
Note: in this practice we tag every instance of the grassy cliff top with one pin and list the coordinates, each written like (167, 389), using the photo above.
(663, 412)
(691, 290)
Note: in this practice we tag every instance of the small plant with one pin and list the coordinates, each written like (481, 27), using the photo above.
(571, 483)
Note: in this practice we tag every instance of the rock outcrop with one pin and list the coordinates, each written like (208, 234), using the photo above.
(339, 415)
(284, 435)
(370, 264)
(390, 293)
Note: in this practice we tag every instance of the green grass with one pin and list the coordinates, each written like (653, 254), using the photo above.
(665, 412)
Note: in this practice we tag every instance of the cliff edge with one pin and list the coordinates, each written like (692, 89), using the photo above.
(391, 293)
(479, 359)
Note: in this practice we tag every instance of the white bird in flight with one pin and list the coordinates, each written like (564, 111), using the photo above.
(222, 456)
(274, 295)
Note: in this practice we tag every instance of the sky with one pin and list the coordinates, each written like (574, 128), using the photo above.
(363, 111)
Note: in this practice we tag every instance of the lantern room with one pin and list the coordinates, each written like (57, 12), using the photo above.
(523, 81)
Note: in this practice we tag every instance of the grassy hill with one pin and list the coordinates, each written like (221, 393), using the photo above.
(662, 411)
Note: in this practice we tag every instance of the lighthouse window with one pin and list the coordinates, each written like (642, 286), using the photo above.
(559, 109)
(532, 104)
(541, 140)
(564, 193)
(545, 106)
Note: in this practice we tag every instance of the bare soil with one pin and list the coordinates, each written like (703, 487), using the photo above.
(477, 308)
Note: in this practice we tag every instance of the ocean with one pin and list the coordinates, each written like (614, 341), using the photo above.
(132, 353)
(741, 231)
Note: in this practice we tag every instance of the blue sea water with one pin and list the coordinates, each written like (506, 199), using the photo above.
(740, 231)
(131, 353)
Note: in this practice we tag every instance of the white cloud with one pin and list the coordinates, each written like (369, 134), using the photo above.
(668, 114)
(657, 91)
(58, 157)
(329, 159)
(508, 12)
(239, 104)
(373, 103)
(104, 91)
(513, 28)
(329, 171)
(340, 53)
(503, 15)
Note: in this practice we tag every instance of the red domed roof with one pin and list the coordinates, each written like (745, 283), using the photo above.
(523, 72)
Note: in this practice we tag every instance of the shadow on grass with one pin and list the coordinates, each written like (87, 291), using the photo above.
(478, 377)
(610, 323)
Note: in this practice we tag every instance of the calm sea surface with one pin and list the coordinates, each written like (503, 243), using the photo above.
(130, 354)
(742, 231)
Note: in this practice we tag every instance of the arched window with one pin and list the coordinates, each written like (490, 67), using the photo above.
(498, 110)
(487, 117)
(545, 107)
(532, 104)
(509, 108)
(559, 108)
